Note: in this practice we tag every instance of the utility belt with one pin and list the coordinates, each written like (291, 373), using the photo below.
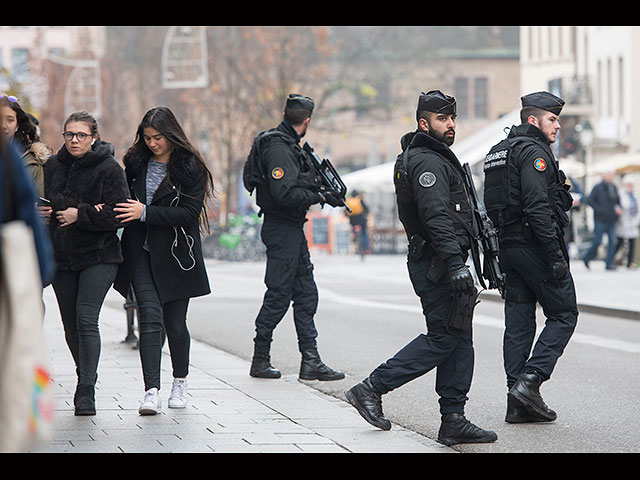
(520, 229)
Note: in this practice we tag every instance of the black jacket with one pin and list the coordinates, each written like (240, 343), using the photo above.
(83, 183)
(438, 208)
(173, 216)
(290, 187)
(603, 199)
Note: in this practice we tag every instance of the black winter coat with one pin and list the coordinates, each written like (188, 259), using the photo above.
(171, 230)
(83, 183)
(290, 187)
(439, 207)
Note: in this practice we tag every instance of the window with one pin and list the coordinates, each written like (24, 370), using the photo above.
(480, 97)
(461, 86)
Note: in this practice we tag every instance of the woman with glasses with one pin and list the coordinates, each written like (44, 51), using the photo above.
(84, 182)
(169, 185)
(18, 128)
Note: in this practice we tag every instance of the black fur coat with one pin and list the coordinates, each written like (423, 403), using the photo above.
(83, 183)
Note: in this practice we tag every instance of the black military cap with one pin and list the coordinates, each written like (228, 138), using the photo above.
(544, 100)
(437, 102)
(295, 100)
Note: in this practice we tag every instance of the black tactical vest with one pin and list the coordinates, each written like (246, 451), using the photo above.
(502, 185)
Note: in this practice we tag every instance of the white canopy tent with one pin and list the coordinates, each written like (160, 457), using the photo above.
(471, 150)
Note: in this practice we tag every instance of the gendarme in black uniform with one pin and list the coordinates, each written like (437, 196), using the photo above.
(284, 178)
(434, 208)
(526, 197)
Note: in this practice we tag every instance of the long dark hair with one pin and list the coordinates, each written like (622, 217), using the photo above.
(27, 133)
(164, 121)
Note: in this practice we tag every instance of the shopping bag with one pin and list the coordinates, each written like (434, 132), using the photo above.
(26, 392)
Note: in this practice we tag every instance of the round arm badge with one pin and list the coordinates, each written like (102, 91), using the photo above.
(540, 164)
(427, 179)
(277, 173)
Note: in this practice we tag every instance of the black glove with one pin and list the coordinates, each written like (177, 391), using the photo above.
(558, 264)
(332, 199)
(460, 277)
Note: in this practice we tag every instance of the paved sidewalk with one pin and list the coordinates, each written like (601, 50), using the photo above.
(228, 410)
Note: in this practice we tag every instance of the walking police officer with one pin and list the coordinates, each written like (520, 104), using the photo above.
(527, 198)
(434, 209)
(284, 178)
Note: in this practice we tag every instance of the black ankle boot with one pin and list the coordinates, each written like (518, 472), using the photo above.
(84, 400)
(261, 367)
(526, 392)
(368, 402)
(312, 368)
(455, 428)
(516, 413)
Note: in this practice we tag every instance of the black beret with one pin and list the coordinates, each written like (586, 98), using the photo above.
(544, 100)
(295, 100)
(437, 102)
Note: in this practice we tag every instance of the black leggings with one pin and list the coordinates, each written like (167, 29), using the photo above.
(80, 295)
(152, 314)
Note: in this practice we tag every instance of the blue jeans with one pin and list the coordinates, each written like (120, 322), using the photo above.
(598, 232)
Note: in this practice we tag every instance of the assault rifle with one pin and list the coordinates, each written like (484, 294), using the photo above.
(331, 181)
(486, 239)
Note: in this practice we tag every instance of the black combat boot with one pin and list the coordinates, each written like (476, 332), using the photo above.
(261, 366)
(84, 400)
(516, 413)
(526, 392)
(455, 428)
(368, 402)
(312, 368)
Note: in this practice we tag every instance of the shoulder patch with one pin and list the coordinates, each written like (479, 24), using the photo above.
(427, 179)
(540, 164)
(277, 173)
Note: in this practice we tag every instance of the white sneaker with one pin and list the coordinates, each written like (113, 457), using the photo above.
(151, 403)
(178, 397)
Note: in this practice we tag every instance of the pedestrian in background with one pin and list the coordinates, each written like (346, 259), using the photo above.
(17, 126)
(527, 198)
(84, 182)
(169, 185)
(628, 222)
(429, 182)
(358, 218)
(17, 202)
(283, 175)
(605, 202)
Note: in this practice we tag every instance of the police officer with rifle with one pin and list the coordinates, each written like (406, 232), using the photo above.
(527, 198)
(434, 208)
(287, 183)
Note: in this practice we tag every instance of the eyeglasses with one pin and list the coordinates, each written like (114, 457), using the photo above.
(81, 136)
(11, 98)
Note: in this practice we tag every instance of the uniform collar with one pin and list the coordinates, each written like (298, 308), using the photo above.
(528, 130)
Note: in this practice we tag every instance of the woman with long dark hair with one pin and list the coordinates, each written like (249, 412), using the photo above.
(17, 127)
(169, 187)
(84, 182)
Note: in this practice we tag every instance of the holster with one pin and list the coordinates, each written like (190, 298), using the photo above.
(462, 306)
(418, 247)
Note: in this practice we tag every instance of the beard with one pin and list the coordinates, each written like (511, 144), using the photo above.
(443, 137)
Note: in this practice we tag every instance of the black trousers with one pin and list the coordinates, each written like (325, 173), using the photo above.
(80, 295)
(529, 281)
(289, 278)
(451, 353)
(153, 314)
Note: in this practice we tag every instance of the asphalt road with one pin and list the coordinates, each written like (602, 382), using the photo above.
(368, 311)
